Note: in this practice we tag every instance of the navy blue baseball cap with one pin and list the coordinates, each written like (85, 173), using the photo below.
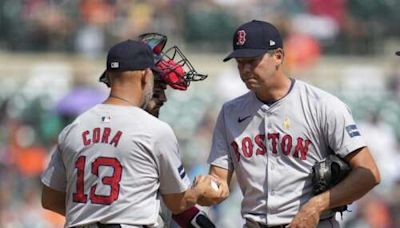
(129, 55)
(253, 39)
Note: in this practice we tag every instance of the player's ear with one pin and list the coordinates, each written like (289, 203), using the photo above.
(279, 55)
(146, 77)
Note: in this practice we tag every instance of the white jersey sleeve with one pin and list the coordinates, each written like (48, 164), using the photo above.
(55, 176)
(339, 128)
(173, 178)
(220, 155)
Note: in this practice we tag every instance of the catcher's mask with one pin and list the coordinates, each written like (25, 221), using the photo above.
(177, 71)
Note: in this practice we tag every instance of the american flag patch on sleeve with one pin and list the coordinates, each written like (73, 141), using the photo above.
(181, 171)
(352, 130)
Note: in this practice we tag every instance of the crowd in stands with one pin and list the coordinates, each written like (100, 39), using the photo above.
(89, 27)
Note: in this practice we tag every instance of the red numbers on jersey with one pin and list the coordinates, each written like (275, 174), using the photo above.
(284, 144)
(113, 181)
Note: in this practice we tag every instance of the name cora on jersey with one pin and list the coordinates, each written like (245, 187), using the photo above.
(101, 135)
(249, 146)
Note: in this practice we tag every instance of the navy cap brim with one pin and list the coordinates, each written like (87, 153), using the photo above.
(398, 53)
(245, 53)
(104, 79)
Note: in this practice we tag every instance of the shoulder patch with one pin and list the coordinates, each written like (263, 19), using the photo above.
(352, 130)
(181, 171)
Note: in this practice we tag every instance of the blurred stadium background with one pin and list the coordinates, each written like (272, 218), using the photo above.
(53, 51)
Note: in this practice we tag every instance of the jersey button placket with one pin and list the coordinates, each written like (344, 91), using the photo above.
(270, 164)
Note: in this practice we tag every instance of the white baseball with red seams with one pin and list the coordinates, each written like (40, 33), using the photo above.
(272, 148)
(214, 185)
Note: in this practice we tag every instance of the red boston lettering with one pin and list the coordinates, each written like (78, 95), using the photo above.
(285, 142)
(274, 137)
(301, 148)
(235, 148)
(247, 147)
(259, 139)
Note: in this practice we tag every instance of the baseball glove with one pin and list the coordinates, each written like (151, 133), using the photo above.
(327, 173)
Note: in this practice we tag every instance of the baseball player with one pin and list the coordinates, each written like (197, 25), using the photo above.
(114, 161)
(274, 134)
(177, 73)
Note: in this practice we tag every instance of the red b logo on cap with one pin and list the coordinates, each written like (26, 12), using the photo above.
(241, 37)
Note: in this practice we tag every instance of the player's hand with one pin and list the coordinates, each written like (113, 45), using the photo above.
(201, 184)
(215, 191)
(307, 217)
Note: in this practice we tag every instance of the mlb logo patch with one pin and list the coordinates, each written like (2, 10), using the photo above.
(181, 171)
(114, 65)
(352, 130)
(106, 119)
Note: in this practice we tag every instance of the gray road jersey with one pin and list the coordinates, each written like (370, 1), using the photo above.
(273, 148)
(113, 161)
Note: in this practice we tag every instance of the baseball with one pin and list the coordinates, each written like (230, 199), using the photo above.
(214, 185)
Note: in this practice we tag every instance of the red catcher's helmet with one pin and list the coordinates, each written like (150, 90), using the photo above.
(177, 70)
